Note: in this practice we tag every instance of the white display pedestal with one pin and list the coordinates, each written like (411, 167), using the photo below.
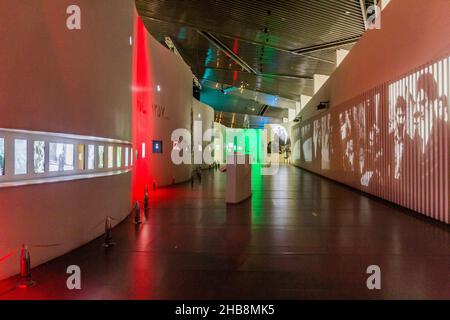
(239, 178)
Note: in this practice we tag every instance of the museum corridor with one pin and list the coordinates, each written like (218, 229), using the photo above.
(223, 150)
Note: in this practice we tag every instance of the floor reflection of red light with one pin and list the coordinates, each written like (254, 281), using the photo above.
(141, 268)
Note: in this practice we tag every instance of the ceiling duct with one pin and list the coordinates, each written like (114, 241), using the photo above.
(264, 109)
(327, 46)
(222, 47)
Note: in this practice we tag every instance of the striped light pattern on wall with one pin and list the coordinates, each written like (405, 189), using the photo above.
(392, 141)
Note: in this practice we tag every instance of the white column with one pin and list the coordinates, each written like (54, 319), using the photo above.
(319, 80)
(384, 3)
(291, 114)
(298, 106)
(340, 55)
(304, 99)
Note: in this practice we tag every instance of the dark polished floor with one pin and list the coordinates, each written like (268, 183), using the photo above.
(300, 236)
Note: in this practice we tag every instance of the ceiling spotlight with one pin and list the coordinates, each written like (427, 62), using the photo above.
(158, 88)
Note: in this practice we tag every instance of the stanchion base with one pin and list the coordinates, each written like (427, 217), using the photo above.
(26, 284)
(109, 244)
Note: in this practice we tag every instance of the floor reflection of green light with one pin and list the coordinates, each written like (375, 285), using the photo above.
(257, 195)
(249, 141)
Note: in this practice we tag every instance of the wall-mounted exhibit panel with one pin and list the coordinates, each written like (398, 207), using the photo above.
(391, 141)
(33, 157)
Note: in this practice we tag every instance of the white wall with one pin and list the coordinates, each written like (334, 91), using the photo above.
(63, 81)
(219, 143)
(204, 113)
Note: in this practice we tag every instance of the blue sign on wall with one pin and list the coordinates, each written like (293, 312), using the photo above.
(157, 146)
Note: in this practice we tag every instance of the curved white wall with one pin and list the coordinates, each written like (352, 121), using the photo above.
(63, 81)
(162, 103)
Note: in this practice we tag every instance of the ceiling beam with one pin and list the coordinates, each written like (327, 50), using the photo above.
(251, 89)
(223, 47)
(327, 45)
(268, 75)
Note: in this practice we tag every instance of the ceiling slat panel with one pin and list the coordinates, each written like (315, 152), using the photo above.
(261, 33)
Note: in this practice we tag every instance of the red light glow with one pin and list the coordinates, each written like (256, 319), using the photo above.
(142, 96)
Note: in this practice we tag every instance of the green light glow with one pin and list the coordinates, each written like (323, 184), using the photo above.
(245, 141)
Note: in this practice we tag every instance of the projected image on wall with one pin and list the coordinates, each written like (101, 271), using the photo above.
(39, 157)
(2, 157)
(307, 142)
(360, 141)
(20, 156)
(369, 140)
(317, 139)
(61, 157)
(325, 143)
(418, 110)
(345, 124)
(296, 148)
(397, 132)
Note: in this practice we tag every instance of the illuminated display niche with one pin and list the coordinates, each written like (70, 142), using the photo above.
(33, 157)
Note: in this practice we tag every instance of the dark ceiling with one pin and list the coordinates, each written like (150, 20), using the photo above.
(272, 47)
